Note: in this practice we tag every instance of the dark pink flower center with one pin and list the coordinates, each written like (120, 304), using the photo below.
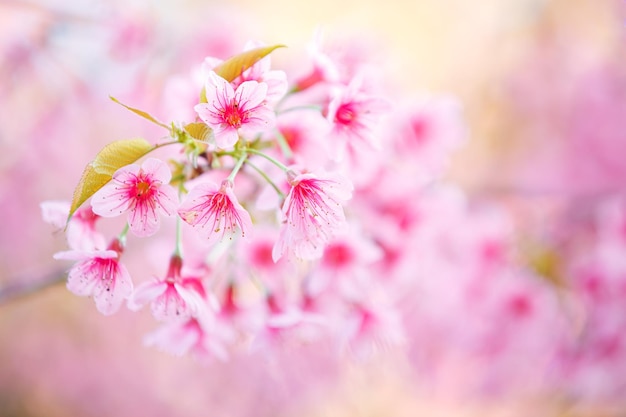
(262, 255)
(233, 116)
(345, 114)
(293, 137)
(421, 130)
(338, 255)
(143, 189)
(520, 306)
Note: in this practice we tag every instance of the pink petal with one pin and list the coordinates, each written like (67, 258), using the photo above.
(175, 338)
(82, 279)
(109, 296)
(209, 115)
(81, 255)
(144, 220)
(145, 293)
(276, 85)
(157, 170)
(167, 199)
(55, 212)
(112, 199)
(259, 119)
(226, 137)
(188, 210)
(170, 305)
(250, 94)
(218, 91)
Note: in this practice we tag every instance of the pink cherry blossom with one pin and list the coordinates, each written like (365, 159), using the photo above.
(171, 298)
(143, 190)
(371, 328)
(227, 110)
(98, 273)
(353, 115)
(312, 214)
(80, 231)
(303, 131)
(324, 69)
(204, 337)
(215, 212)
(261, 71)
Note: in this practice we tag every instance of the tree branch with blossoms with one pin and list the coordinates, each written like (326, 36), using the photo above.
(246, 183)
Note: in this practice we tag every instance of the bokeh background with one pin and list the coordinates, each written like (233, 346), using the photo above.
(543, 88)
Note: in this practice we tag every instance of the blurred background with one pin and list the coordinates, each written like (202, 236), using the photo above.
(543, 90)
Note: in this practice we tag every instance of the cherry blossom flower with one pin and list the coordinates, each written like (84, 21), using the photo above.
(353, 115)
(143, 190)
(371, 328)
(276, 80)
(303, 133)
(324, 68)
(98, 273)
(227, 110)
(345, 264)
(284, 322)
(312, 214)
(171, 298)
(204, 337)
(80, 231)
(215, 212)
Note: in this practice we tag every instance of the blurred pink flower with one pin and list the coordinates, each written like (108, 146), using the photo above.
(202, 337)
(353, 115)
(142, 190)
(171, 298)
(276, 80)
(312, 214)
(324, 68)
(99, 273)
(215, 212)
(228, 110)
(80, 230)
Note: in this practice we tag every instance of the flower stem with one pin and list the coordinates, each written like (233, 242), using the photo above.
(160, 145)
(269, 158)
(122, 235)
(237, 167)
(284, 146)
(178, 249)
(268, 179)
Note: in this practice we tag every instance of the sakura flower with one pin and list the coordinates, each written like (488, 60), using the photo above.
(371, 328)
(227, 110)
(143, 190)
(324, 68)
(215, 212)
(276, 80)
(203, 337)
(171, 298)
(345, 263)
(312, 214)
(98, 273)
(80, 231)
(284, 322)
(353, 115)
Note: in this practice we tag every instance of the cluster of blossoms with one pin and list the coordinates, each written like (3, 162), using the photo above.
(312, 208)
(265, 241)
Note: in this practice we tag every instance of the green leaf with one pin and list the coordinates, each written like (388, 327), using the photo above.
(100, 171)
(199, 131)
(141, 113)
(234, 66)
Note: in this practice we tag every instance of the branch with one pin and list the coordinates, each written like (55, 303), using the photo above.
(18, 289)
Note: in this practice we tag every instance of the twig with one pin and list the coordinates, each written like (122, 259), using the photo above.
(19, 289)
